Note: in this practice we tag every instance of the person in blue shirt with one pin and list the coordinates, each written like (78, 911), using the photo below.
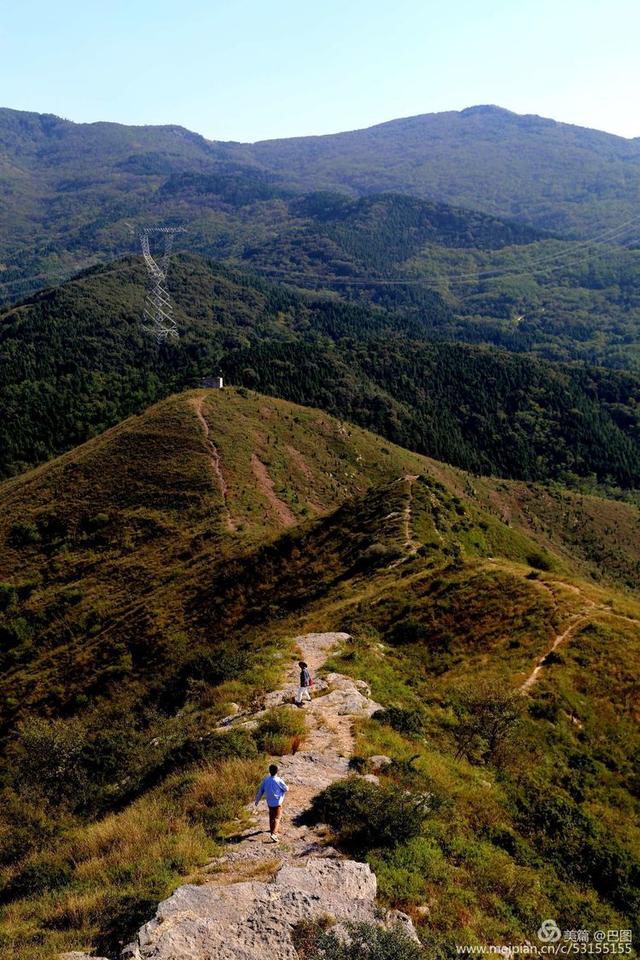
(273, 789)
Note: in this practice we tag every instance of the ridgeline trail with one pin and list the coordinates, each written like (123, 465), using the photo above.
(590, 610)
(266, 485)
(198, 404)
(410, 545)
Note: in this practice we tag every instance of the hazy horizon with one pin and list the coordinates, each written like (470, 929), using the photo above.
(325, 133)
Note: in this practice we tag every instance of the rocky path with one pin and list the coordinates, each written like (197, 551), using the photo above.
(258, 890)
(337, 700)
(284, 513)
(576, 622)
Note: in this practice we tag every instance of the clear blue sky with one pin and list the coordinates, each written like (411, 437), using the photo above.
(235, 70)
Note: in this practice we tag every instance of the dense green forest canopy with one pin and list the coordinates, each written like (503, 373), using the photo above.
(75, 360)
(505, 283)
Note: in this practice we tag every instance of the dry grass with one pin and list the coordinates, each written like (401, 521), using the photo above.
(239, 871)
(128, 861)
(477, 616)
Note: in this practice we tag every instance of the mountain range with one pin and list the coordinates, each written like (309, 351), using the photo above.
(75, 192)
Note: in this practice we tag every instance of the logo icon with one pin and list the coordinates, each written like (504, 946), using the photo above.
(549, 932)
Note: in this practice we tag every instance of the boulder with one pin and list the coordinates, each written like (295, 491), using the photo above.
(379, 761)
(253, 919)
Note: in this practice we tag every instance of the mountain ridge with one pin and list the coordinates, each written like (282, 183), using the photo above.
(477, 110)
(134, 621)
(486, 109)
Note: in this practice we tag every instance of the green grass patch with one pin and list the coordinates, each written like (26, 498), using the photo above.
(280, 731)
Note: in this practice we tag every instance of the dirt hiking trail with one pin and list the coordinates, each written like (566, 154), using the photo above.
(198, 404)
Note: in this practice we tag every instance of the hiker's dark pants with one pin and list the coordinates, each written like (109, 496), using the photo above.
(275, 814)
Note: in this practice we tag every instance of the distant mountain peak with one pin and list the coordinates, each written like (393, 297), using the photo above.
(490, 108)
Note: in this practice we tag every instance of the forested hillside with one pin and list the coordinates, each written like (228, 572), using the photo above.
(504, 283)
(483, 157)
(74, 194)
(75, 360)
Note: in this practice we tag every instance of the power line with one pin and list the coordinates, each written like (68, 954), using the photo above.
(607, 236)
(575, 250)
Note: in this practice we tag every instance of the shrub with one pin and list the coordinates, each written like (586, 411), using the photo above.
(376, 555)
(363, 941)
(408, 630)
(486, 716)
(210, 666)
(95, 523)
(44, 871)
(210, 747)
(358, 764)
(403, 872)
(280, 731)
(404, 721)
(48, 761)
(15, 631)
(51, 527)
(22, 534)
(553, 657)
(544, 709)
(540, 561)
(366, 816)
(85, 768)
(8, 596)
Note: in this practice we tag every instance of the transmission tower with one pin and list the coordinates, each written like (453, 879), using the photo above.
(158, 308)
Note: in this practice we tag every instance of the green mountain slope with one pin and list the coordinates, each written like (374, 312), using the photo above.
(75, 360)
(505, 284)
(99, 536)
(158, 573)
(77, 193)
(483, 157)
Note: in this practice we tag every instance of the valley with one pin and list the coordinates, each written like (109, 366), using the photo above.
(482, 409)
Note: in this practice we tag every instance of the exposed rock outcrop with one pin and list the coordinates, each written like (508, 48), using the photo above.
(78, 955)
(253, 920)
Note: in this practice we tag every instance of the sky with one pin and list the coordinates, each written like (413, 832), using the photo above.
(257, 69)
